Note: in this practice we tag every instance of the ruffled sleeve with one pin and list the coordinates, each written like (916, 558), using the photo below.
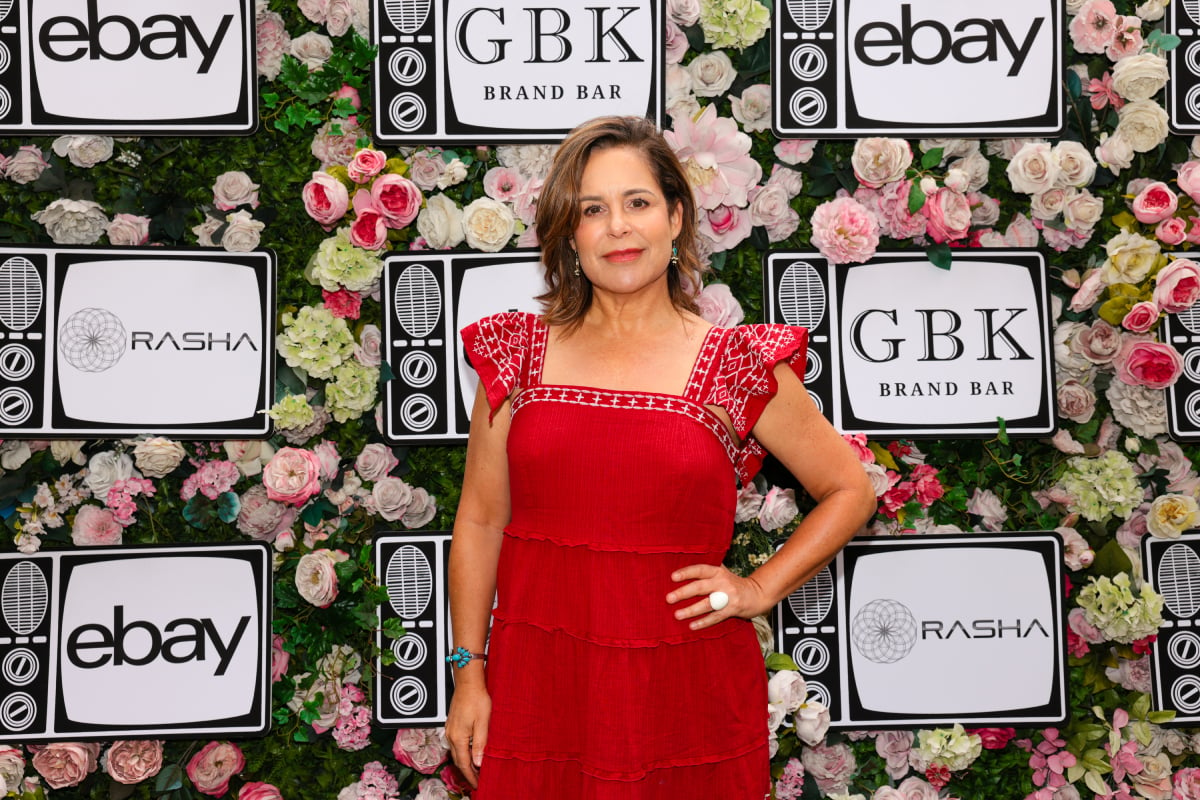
(745, 381)
(498, 348)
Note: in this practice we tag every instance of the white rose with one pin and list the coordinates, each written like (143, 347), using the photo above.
(375, 461)
(488, 224)
(312, 49)
(770, 206)
(243, 232)
(790, 179)
(1114, 152)
(753, 108)
(84, 151)
(878, 477)
(1082, 210)
(1048, 204)
(421, 509)
(65, 450)
(681, 100)
(392, 497)
(1142, 123)
(205, 230)
(454, 173)
(812, 722)
(1140, 76)
(157, 457)
(73, 221)
(719, 306)
(14, 453)
(128, 230)
(712, 73)
(787, 690)
(976, 165)
(105, 469)
(233, 189)
(1076, 165)
(778, 508)
(441, 222)
(1033, 169)
(878, 160)
(684, 12)
(369, 350)
(1151, 10)
(249, 456)
(985, 211)
(25, 166)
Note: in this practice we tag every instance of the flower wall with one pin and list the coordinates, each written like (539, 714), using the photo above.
(1107, 202)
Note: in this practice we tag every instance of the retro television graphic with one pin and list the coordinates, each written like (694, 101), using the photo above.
(110, 341)
(879, 645)
(1172, 568)
(456, 71)
(428, 298)
(1182, 332)
(836, 66)
(66, 67)
(899, 347)
(415, 689)
(1183, 62)
(97, 643)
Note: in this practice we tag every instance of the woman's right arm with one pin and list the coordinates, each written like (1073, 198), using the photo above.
(483, 512)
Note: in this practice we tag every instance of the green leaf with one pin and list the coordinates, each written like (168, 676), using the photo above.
(1001, 431)
(168, 779)
(1160, 717)
(939, 255)
(1111, 560)
(932, 158)
(781, 661)
(269, 99)
(916, 197)
(1074, 85)
(756, 58)
(394, 629)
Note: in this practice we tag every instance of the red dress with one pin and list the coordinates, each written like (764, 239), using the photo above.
(598, 692)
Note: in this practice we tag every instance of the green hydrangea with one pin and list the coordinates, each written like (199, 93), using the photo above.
(292, 412)
(952, 748)
(1110, 605)
(339, 263)
(1103, 486)
(733, 23)
(352, 391)
(315, 341)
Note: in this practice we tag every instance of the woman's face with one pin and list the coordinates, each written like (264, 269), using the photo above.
(625, 225)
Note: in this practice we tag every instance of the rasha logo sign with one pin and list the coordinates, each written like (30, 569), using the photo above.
(119, 642)
(83, 352)
(900, 347)
(74, 62)
(877, 619)
(918, 67)
(525, 71)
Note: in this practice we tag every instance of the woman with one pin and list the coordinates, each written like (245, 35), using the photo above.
(606, 443)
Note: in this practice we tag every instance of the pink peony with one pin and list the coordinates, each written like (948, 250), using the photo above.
(1093, 27)
(369, 229)
(844, 231)
(292, 476)
(134, 760)
(95, 526)
(66, 763)
(397, 198)
(423, 749)
(1154, 203)
(1177, 285)
(947, 214)
(325, 199)
(716, 156)
(1141, 318)
(1142, 362)
(1187, 783)
(1172, 231)
(1189, 179)
(366, 164)
(257, 790)
(212, 767)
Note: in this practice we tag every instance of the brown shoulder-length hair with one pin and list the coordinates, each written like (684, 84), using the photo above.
(569, 295)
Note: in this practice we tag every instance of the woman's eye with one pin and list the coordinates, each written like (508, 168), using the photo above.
(591, 211)
(639, 202)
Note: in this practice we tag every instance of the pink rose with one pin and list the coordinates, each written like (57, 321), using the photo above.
(1092, 29)
(1154, 203)
(1171, 231)
(279, 659)
(375, 461)
(844, 231)
(1189, 179)
(894, 748)
(327, 454)
(795, 151)
(366, 164)
(348, 92)
(778, 508)
(915, 788)
(369, 229)
(26, 165)
(719, 306)
(1177, 285)
(1076, 402)
(454, 780)
(397, 198)
(1187, 783)
(994, 738)
(292, 476)
(343, 303)
(391, 498)
(423, 749)
(66, 763)
(233, 189)
(257, 790)
(325, 199)
(316, 576)
(1154, 365)
(132, 761)
(95, 526)
(212, 767)
(262, 518)
(1100, 343)
(947, 214)
(369, 350)
(1141, 317)
(128, 230)
(832, 766)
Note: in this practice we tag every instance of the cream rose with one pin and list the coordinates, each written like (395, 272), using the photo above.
(441, 222)
(233, 189)
(392, 497)
(1082, 210)
(316, 576)
(712, 73)
(1033, 169)
(1171, 515)
(312, 49)
(157, 457)
(1140, 76)
(753, 108)
(1142, 123)
(73, 221)
(84, 151)
(243, 232)
(1075, 164)
(1131, 256)
(488, 224)
(878, 160)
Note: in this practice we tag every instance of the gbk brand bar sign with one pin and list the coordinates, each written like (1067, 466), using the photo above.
(899, 347)
(513, 70)
(879, 645)
(917, 67)
(126, 642)
(108, 341)
(124, 66)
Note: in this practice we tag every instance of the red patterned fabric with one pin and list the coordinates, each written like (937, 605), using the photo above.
(598, 692)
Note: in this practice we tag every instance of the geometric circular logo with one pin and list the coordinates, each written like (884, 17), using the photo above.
(5, 57)
(1185, 694)
(1184, 649)
(6, 102)
(811, 656)
(884, 631)
(92, 340)
(410, 651)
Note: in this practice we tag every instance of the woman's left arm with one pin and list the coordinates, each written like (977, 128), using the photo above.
(796, 433)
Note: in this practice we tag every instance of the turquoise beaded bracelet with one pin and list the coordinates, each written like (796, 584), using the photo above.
(462, 656)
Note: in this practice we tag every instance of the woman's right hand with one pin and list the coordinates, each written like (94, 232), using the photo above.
(467, 727)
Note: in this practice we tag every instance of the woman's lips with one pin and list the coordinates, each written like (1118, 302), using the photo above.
(622, 255)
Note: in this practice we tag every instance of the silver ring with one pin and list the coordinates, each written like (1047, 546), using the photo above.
(718, 600)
